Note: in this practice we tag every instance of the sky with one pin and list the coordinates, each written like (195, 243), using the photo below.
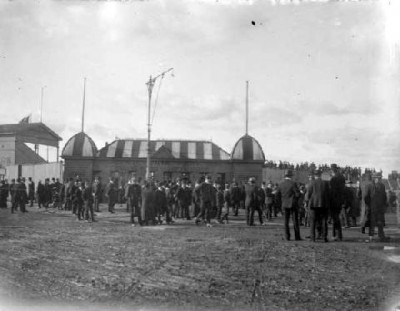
(323, 75)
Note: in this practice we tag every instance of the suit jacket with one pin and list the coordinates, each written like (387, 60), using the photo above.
(289, 193)
(134, 193)
(318, 194)
(377, 196)
(251, 195)
(207, 193)
(88, 194)
(160, 199)
(235, 194)
(337, 185)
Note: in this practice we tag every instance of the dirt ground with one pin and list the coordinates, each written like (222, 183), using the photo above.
(48, 259)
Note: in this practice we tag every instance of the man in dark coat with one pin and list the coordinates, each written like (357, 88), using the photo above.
(47, 192)
(289, 194)
(112, 195)
(133, 197)
(376, 195)
(148, 204)
(161, 202)
(31, 191)
(337, 188)
(207, 200)
(4, 189)
(88, 201)
(260, 206)
(21, 195)
(269, 201)
(317, 198)
(235, 198)
(77, 200)
(184, 199)
(251, 200)
(40, 194)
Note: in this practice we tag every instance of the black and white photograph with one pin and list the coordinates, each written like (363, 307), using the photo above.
(200, 155)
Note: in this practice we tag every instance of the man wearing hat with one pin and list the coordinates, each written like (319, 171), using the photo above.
(376, 196)
(207, 199)
(289, 194)
(161, 202)
(250, 202)
(47, 192)
(317, 197)
(112, 195)
(40, 194)
(269, 200)
(337, 188)
(134, 196)
(235, 197)
(184, 199)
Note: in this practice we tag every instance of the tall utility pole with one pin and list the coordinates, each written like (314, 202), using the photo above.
(150, 86)
(247, 107)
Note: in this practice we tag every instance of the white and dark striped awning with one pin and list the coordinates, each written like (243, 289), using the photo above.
(247, 148)
(79, 145)
(197, 150)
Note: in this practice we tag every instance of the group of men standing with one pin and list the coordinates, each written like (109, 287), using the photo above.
(153, 202)
(22, 192)
(327, 199)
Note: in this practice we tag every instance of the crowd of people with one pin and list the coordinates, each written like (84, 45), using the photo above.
(350, 173)
(315, 204)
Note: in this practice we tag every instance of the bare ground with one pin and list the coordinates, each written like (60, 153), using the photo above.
(48, 258)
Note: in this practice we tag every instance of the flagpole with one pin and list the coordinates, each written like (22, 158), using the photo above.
(247, 107)
(41, 103)
(83, 106)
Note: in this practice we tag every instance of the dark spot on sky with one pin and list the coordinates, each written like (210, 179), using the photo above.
(253, 23)
(336, 77)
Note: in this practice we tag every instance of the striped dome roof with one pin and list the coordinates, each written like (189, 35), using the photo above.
(79, 145)
(137, 148)
(247, 148)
